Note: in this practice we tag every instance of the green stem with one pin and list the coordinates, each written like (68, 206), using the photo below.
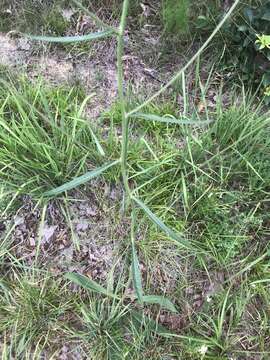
(120, 78)
(194, 57)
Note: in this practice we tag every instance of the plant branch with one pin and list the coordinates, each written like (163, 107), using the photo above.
(180, 72)
(120, 79)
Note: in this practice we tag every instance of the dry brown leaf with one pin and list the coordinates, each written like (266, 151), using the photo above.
(201, 107)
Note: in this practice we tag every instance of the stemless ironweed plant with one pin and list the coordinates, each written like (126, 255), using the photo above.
(131, 200)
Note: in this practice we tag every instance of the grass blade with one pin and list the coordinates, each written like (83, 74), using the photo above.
(136, 273)
(80, 114)
(80, 180)
(88, 284)
(170, 120)
(159, 300)
(98, 144)
(71, 39)
(83, 105)
(162, 226)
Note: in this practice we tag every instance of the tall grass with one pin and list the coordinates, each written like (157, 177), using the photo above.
(132, 202)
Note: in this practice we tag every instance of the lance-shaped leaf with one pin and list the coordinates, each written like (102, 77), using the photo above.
(80, 180)
(170, 120)
(135, 266)
(89, 284)
(136, 274)
(72, 39)
(159, 300)
(172, 234)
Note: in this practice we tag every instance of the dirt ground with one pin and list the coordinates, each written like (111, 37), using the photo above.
(97, 74)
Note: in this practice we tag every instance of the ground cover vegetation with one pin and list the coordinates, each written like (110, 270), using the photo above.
(141, 230)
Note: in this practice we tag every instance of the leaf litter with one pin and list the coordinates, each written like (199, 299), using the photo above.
(97, 228)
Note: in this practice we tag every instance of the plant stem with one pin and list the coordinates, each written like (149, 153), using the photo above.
(120, 79)
(194, 57)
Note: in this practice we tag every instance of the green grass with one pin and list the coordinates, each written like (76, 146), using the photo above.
(32, 16)
(45, 139)
(39, 317)
(32, 311)
(210, 184)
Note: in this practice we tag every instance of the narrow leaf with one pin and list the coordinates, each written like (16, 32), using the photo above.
(71, 39)
(170, 120)
(85, 101)
(136, 274)
(80, 180)
(98, 144)
(80, 113)
(88, 284)
(159, 300)
(162, 226)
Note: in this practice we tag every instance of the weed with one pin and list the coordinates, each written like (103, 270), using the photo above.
(205, 192)
(175, 15)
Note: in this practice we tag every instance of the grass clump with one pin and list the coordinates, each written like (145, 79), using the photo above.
(104, 328)
(211, 186)
(32, 312)
(44, 138)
